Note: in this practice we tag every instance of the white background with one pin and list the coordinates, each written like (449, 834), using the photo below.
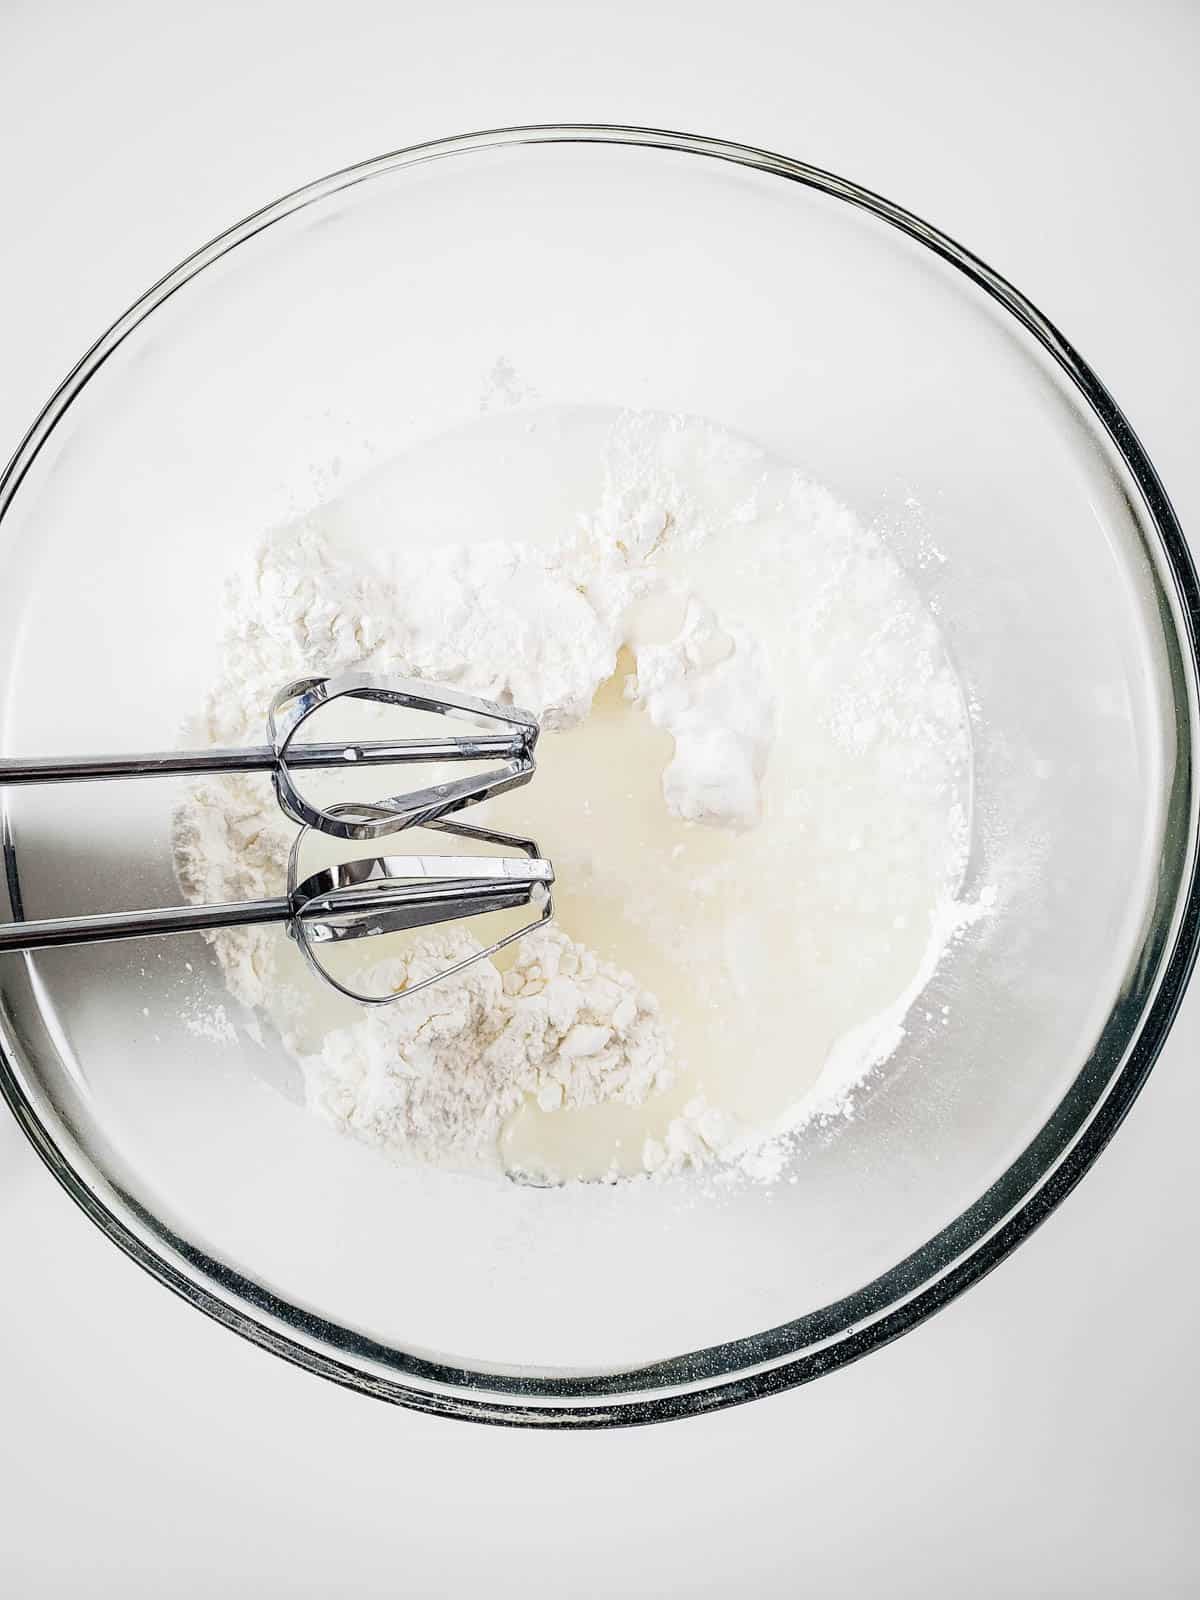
(1040, 1436)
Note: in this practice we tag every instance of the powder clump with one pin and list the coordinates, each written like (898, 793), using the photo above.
(437, 1074)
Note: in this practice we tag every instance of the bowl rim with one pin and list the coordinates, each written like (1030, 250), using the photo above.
(961, 1253)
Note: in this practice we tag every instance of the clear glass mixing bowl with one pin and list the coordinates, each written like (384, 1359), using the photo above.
(615, 267)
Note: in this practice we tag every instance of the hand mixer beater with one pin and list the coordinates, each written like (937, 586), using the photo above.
(350, 900)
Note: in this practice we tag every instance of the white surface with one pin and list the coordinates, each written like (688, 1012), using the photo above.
(1039, 1436)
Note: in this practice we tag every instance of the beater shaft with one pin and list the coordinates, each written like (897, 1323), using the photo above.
(262, 758)
(352, 901)
(108, 925)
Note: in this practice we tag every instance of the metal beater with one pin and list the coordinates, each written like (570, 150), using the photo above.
(354, 899)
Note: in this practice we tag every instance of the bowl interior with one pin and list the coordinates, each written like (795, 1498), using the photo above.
(504, 277)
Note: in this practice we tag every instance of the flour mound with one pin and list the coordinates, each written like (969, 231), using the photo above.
(435, 1076)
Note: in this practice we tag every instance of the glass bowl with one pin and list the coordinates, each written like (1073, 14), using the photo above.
(377, 308)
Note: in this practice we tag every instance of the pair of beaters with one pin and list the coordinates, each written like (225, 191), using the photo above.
(351, 900)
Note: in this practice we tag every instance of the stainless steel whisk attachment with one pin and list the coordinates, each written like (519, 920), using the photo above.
(283, 757)
(386, 894)
(295, 704)
(353, 899)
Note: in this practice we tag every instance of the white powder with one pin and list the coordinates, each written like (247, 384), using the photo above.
(436, 1076)
(440, 1076)
(711, 690)
(208, 1022)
